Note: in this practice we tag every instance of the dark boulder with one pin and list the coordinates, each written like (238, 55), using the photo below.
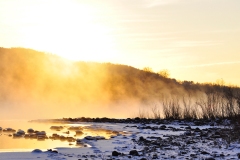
(133, 153)
(115, 153)
(238, 155)
(52, 151)
(197, 130)
(163, 127)
(204, 152)
(188, 127)
(37, 151)
(141, 138)
(155, 156)
(30, 130)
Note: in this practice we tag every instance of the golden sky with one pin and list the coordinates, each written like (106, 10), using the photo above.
(195, 40)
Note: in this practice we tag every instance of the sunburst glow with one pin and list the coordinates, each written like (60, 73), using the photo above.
(169, 35)
(66, 28)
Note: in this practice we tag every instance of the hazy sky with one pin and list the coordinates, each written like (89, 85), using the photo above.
(195, 40)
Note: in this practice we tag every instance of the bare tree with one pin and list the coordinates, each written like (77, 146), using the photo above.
(172, 109)
(143, 113)
(187, 107)
(237, 97)
(211, 105)
(156, 112)
(194, 112)
(230, 102)
(166, 109)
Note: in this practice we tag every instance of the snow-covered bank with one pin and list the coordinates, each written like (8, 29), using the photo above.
(146, 141)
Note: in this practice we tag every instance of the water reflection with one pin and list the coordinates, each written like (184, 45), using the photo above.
(30, 135)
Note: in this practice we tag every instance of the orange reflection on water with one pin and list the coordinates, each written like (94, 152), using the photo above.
(10, 143)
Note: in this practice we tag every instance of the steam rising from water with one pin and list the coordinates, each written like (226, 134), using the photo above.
(37, 85)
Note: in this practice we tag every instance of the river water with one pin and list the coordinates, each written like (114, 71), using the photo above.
(11, 144)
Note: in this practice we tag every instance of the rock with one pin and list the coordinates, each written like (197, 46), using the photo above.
(215, 136)
(204, 152)
(9, 130)
(41, 133)
(32, 136)
(141, 138)
(133, 153)
(188, 133)
(148, 127)
(183, 152)
(163, 127)
(56, 136)
(94, 138)
(27, 136)
(56, 128)
(62, 138)
(188, 127)
(197, 130)
(193, 155)
(20, 132)
(198, 123)
(70, 139)
(238, 155)
(0, 128)
(143, 159)
(37, 151)
(115, 132)
(217, 133)
(30, 130)
(15, 135)
(89, 138)
(115, 153)
(79, 132)
(100, 138)
(112, 136)
(79, 142)
(52, 151)
(155, 156)
(75, 128)
(41, 138)
(66, 132)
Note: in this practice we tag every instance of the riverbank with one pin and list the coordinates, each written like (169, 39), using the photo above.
(171, 140)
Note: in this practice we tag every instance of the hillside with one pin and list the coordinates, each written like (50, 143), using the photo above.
(34, 73)
(32, 80)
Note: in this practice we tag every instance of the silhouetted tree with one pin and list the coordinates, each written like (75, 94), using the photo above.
(164, 73)
(148, 69)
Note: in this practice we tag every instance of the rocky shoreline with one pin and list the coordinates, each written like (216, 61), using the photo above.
(137, 120)
(148, 139)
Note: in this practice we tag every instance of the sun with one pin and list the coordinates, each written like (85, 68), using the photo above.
(67, 28)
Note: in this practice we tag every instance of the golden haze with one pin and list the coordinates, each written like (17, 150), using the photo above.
(38, 85)
(192, 39)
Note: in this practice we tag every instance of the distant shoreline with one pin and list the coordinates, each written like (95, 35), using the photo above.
(137, 120)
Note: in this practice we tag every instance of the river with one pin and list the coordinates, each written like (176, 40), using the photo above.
(11, 144)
